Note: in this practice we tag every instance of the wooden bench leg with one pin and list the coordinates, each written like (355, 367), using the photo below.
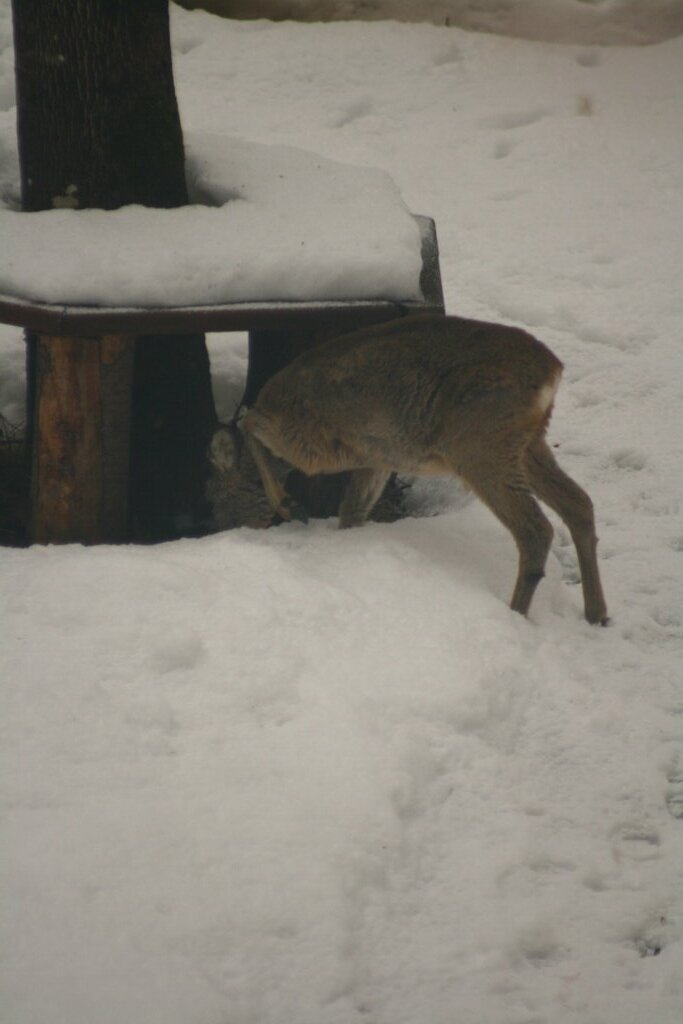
(81, 439)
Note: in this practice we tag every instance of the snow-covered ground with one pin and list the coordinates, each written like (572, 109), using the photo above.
(319, 777)
(606, 22)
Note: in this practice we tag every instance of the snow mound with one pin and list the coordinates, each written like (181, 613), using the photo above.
(594, 22)
(267, 223)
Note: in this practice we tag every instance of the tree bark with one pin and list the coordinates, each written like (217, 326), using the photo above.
(97, 115)
(98, 126)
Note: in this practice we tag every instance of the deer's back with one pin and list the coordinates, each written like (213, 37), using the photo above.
(411, 386)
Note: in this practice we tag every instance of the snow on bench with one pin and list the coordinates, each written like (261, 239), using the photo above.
(276, 242)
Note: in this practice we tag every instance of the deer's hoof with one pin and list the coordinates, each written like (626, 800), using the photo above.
(290, 510)
(601, 619)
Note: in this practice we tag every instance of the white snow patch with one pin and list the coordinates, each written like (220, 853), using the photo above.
(319, 777)
(269, 223)
(606, 22)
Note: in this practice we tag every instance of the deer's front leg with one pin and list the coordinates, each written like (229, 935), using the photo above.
(281, 502)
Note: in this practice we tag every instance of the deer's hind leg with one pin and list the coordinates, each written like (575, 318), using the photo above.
(501, 484)
(575, 508)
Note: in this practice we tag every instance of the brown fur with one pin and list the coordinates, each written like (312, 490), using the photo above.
(431, 395)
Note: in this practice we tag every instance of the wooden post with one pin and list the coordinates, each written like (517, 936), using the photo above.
(81, 439)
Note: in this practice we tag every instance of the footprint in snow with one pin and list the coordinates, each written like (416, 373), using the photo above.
(674, 790)
(651, 939)
(185, 44)
(353, 111)
(635, 841)
(451, 54)
(536, 871)
(634, 844)
(180, 653)
(512, 119)
(503, 148)
(589, 58)
(628, 459)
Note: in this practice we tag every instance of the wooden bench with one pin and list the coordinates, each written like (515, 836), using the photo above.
(81, 417)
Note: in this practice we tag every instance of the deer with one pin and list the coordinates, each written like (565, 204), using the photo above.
(427, 395)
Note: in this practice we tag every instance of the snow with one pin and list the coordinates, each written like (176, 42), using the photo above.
(320, 777)
(259, 229)
(607, 22)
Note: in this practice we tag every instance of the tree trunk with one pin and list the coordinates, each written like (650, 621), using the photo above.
(98, 126)
(97, 115)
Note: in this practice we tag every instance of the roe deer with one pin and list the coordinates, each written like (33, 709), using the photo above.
(428, 396)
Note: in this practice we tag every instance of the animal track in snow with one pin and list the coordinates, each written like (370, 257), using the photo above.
(185, 44)
(514, 119)
(537, 943)
(589, 58)
(674, 790)
(179, 653)
(668, 618)
(273, 697)
(652, 937)
(503, 148)
(633, 845)
(636, 841)
(648, 946)
(628, 459)
(354, 111)
(538, 870)
(449, 55)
